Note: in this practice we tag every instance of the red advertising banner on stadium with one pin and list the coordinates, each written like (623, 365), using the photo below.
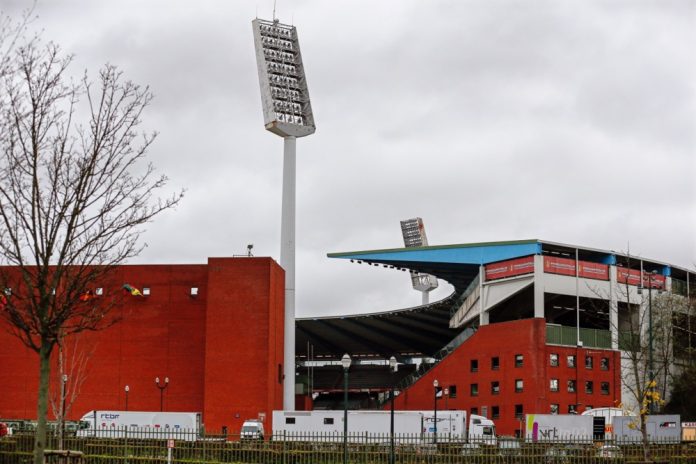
(629, 276)
(597, 271)
(565, 266)
(510, 268)
(654, 281)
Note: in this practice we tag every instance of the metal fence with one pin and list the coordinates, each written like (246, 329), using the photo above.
(329, 449)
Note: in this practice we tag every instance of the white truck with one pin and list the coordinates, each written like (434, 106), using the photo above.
(664, 428)
(452, 425)
(374, 426)
(141, 424)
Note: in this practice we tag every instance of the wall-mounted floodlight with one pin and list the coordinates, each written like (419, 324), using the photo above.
(287, 112)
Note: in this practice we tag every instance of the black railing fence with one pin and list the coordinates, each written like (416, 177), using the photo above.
(127, 447)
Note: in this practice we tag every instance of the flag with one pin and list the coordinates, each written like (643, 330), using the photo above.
(132, 290)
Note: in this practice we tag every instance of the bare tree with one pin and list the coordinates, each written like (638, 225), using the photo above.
(72, 359)
(646, 327)
(73, 199)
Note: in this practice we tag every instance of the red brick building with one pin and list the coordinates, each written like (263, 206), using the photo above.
(215, 330)
(506, 370)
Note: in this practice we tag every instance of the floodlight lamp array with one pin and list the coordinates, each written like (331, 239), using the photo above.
(413, 232)
(284, 94)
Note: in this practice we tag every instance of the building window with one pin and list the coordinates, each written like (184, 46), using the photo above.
(519, 411)
(495, 363)
(452, 391)
(554, 408)
(495, 388)
(570, 359)
(604, 364)
(474, 411)
(553, 359)
(604, 388)
(519, 360)
(474, 389)
(495, 412)
(474, 365)
(553, 385)
(571, 386)
(588, 362)
(146, 291)
(519, 385)
(588, 387)
(571, 409)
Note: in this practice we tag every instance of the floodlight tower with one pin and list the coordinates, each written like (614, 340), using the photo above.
(413, 232)
(286, 112)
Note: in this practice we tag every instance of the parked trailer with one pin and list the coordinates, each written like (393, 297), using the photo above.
(373, 426)
(452, 425)
(142, 424)
(602, 421)
(363, 426)
(557, 427)
(660, 428)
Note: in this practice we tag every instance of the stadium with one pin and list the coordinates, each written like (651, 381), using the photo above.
(531, 326)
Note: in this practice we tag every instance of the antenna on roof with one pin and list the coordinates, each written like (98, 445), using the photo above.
(274, 8)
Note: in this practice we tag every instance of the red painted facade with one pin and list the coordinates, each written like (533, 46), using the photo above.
(492, 355)
(220, 349)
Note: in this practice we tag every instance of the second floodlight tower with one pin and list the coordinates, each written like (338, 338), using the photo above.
(287, 112)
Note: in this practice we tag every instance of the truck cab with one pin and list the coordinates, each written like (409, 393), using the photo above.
(481, 429)
(252, 429)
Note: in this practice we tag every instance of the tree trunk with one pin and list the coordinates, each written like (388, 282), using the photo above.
(42, 406)
(644, 433)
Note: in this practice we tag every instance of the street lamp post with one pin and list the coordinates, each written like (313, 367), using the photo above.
(393, 367)
(345, 362)
(127, 389)
(161, 389)
(435, 385)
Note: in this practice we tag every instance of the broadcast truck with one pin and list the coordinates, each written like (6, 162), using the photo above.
(141, 424)
(374, 426)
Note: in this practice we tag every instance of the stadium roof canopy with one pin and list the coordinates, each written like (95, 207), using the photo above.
(424, 330)
(418, 331)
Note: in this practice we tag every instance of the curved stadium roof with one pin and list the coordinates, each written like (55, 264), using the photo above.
(424, 330)
(418, 331)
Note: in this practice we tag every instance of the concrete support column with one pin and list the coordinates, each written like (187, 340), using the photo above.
(538, 286)
(613, 308)
(483, 314)
(287, 262)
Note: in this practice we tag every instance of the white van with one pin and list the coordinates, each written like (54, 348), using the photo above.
(252, 429)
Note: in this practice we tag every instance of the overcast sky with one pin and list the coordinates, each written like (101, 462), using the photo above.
(568, 121)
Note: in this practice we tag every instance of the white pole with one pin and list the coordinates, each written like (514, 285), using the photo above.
(424, 298)
(577, 301)
(287, 262)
